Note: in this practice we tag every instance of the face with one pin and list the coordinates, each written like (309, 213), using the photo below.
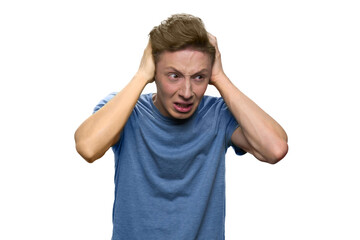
(181, 80)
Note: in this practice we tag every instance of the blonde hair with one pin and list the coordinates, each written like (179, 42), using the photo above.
(178, 32)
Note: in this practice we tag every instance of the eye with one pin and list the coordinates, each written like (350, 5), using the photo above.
(199, 78)
(173, 76)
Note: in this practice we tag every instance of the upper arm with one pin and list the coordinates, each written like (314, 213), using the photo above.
(238, 139)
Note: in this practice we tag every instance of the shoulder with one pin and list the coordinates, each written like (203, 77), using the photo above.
(144, 103)
(214, 103)
(144, 100)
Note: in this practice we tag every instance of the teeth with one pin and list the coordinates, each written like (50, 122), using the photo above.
(183, 105)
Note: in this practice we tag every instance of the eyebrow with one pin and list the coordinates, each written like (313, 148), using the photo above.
(203, 71)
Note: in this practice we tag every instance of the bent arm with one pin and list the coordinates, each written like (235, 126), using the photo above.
(258, 134)
(102, 129)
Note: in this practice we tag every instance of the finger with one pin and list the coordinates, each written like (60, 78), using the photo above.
(213, 40)
(148, 46)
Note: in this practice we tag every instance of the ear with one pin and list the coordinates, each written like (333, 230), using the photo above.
(155, 80)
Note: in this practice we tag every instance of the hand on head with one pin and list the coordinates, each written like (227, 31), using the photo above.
(217, 69)
(147, 64)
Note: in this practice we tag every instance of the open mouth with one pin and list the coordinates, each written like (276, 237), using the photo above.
(183, 108)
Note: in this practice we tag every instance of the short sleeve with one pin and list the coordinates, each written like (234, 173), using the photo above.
(232, 125)
(237, 150)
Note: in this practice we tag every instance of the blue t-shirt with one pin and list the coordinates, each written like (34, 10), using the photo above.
(170, 174)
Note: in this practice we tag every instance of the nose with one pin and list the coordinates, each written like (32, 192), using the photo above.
(186, 89)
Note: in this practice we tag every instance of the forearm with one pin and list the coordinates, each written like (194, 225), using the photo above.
(102, 129)
(264, 135)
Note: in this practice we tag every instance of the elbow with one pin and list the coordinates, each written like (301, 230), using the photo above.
(84, 149)
(279, 152)
(86, 153)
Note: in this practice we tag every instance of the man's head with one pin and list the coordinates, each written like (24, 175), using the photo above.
(183, 57)
(178, 32)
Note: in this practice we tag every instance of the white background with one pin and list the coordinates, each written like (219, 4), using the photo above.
(299, 60)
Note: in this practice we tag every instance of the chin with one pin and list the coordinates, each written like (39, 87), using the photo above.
(182, 116)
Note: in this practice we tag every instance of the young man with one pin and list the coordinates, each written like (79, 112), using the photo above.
(170, 146)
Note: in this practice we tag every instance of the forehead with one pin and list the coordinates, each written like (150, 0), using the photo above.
(187, 60)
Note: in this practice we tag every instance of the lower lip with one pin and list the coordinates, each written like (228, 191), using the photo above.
(183, 109)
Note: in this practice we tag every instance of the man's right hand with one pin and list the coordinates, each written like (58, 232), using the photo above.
(147, 64)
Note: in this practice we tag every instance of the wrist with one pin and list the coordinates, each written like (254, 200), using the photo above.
(144, 77)
(141, 78)
(219, 80)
